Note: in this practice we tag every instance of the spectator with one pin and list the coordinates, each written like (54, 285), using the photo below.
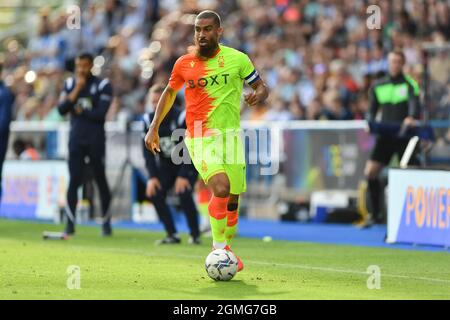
(334, 107)
(44, 49)
(24, 150)
(303, 48)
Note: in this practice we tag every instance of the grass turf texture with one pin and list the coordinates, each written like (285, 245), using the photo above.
(130, 266)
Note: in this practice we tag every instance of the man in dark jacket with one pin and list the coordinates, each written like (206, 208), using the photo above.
(87, 98)
(165, 174)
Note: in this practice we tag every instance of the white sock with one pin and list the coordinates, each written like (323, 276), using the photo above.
(219, 245)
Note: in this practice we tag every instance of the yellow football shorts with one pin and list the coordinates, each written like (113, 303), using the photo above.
(222, 152)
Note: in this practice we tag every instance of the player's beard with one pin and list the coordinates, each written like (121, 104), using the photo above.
(207, 51)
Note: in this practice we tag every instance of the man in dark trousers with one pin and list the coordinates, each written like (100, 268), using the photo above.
(396, 96)
(87, 98)
(165, 174)
(6, 103)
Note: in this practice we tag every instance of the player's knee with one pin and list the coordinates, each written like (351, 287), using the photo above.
(220, 185)
(222, 189)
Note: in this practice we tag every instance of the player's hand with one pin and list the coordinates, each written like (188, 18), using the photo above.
(251, 99)
(152, 140)
(80, 82)
(152, 186)
(182, 185)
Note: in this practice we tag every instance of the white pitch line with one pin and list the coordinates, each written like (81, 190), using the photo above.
(289, 265)
(283, 265)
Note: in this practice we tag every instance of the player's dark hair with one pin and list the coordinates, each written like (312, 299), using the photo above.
(400, 53)
(86, 56)
(209, 14)
(157, 88)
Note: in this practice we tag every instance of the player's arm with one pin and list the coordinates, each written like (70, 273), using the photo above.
(249, 74)
(259, 94)
(165, 103)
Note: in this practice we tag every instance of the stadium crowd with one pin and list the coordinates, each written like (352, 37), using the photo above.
(318, 57)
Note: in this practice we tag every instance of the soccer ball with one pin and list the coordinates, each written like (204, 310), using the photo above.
(221, 265)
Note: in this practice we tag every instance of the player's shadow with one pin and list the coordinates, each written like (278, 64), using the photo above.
(234, 289)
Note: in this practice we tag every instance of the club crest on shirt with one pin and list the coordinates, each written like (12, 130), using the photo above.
(192, 64)
(221, 62)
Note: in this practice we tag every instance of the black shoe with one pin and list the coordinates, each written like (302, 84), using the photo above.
(195, 240)
(70, 229)
(169, 240)
(106, 230)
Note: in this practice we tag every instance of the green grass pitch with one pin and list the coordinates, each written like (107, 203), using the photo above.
(130, 266)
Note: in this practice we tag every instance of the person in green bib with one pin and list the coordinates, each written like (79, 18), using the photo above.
(393, 100)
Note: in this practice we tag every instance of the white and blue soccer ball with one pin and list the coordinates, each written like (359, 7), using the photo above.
(221, 265)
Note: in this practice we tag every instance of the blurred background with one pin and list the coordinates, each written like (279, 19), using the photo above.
(318, 58)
